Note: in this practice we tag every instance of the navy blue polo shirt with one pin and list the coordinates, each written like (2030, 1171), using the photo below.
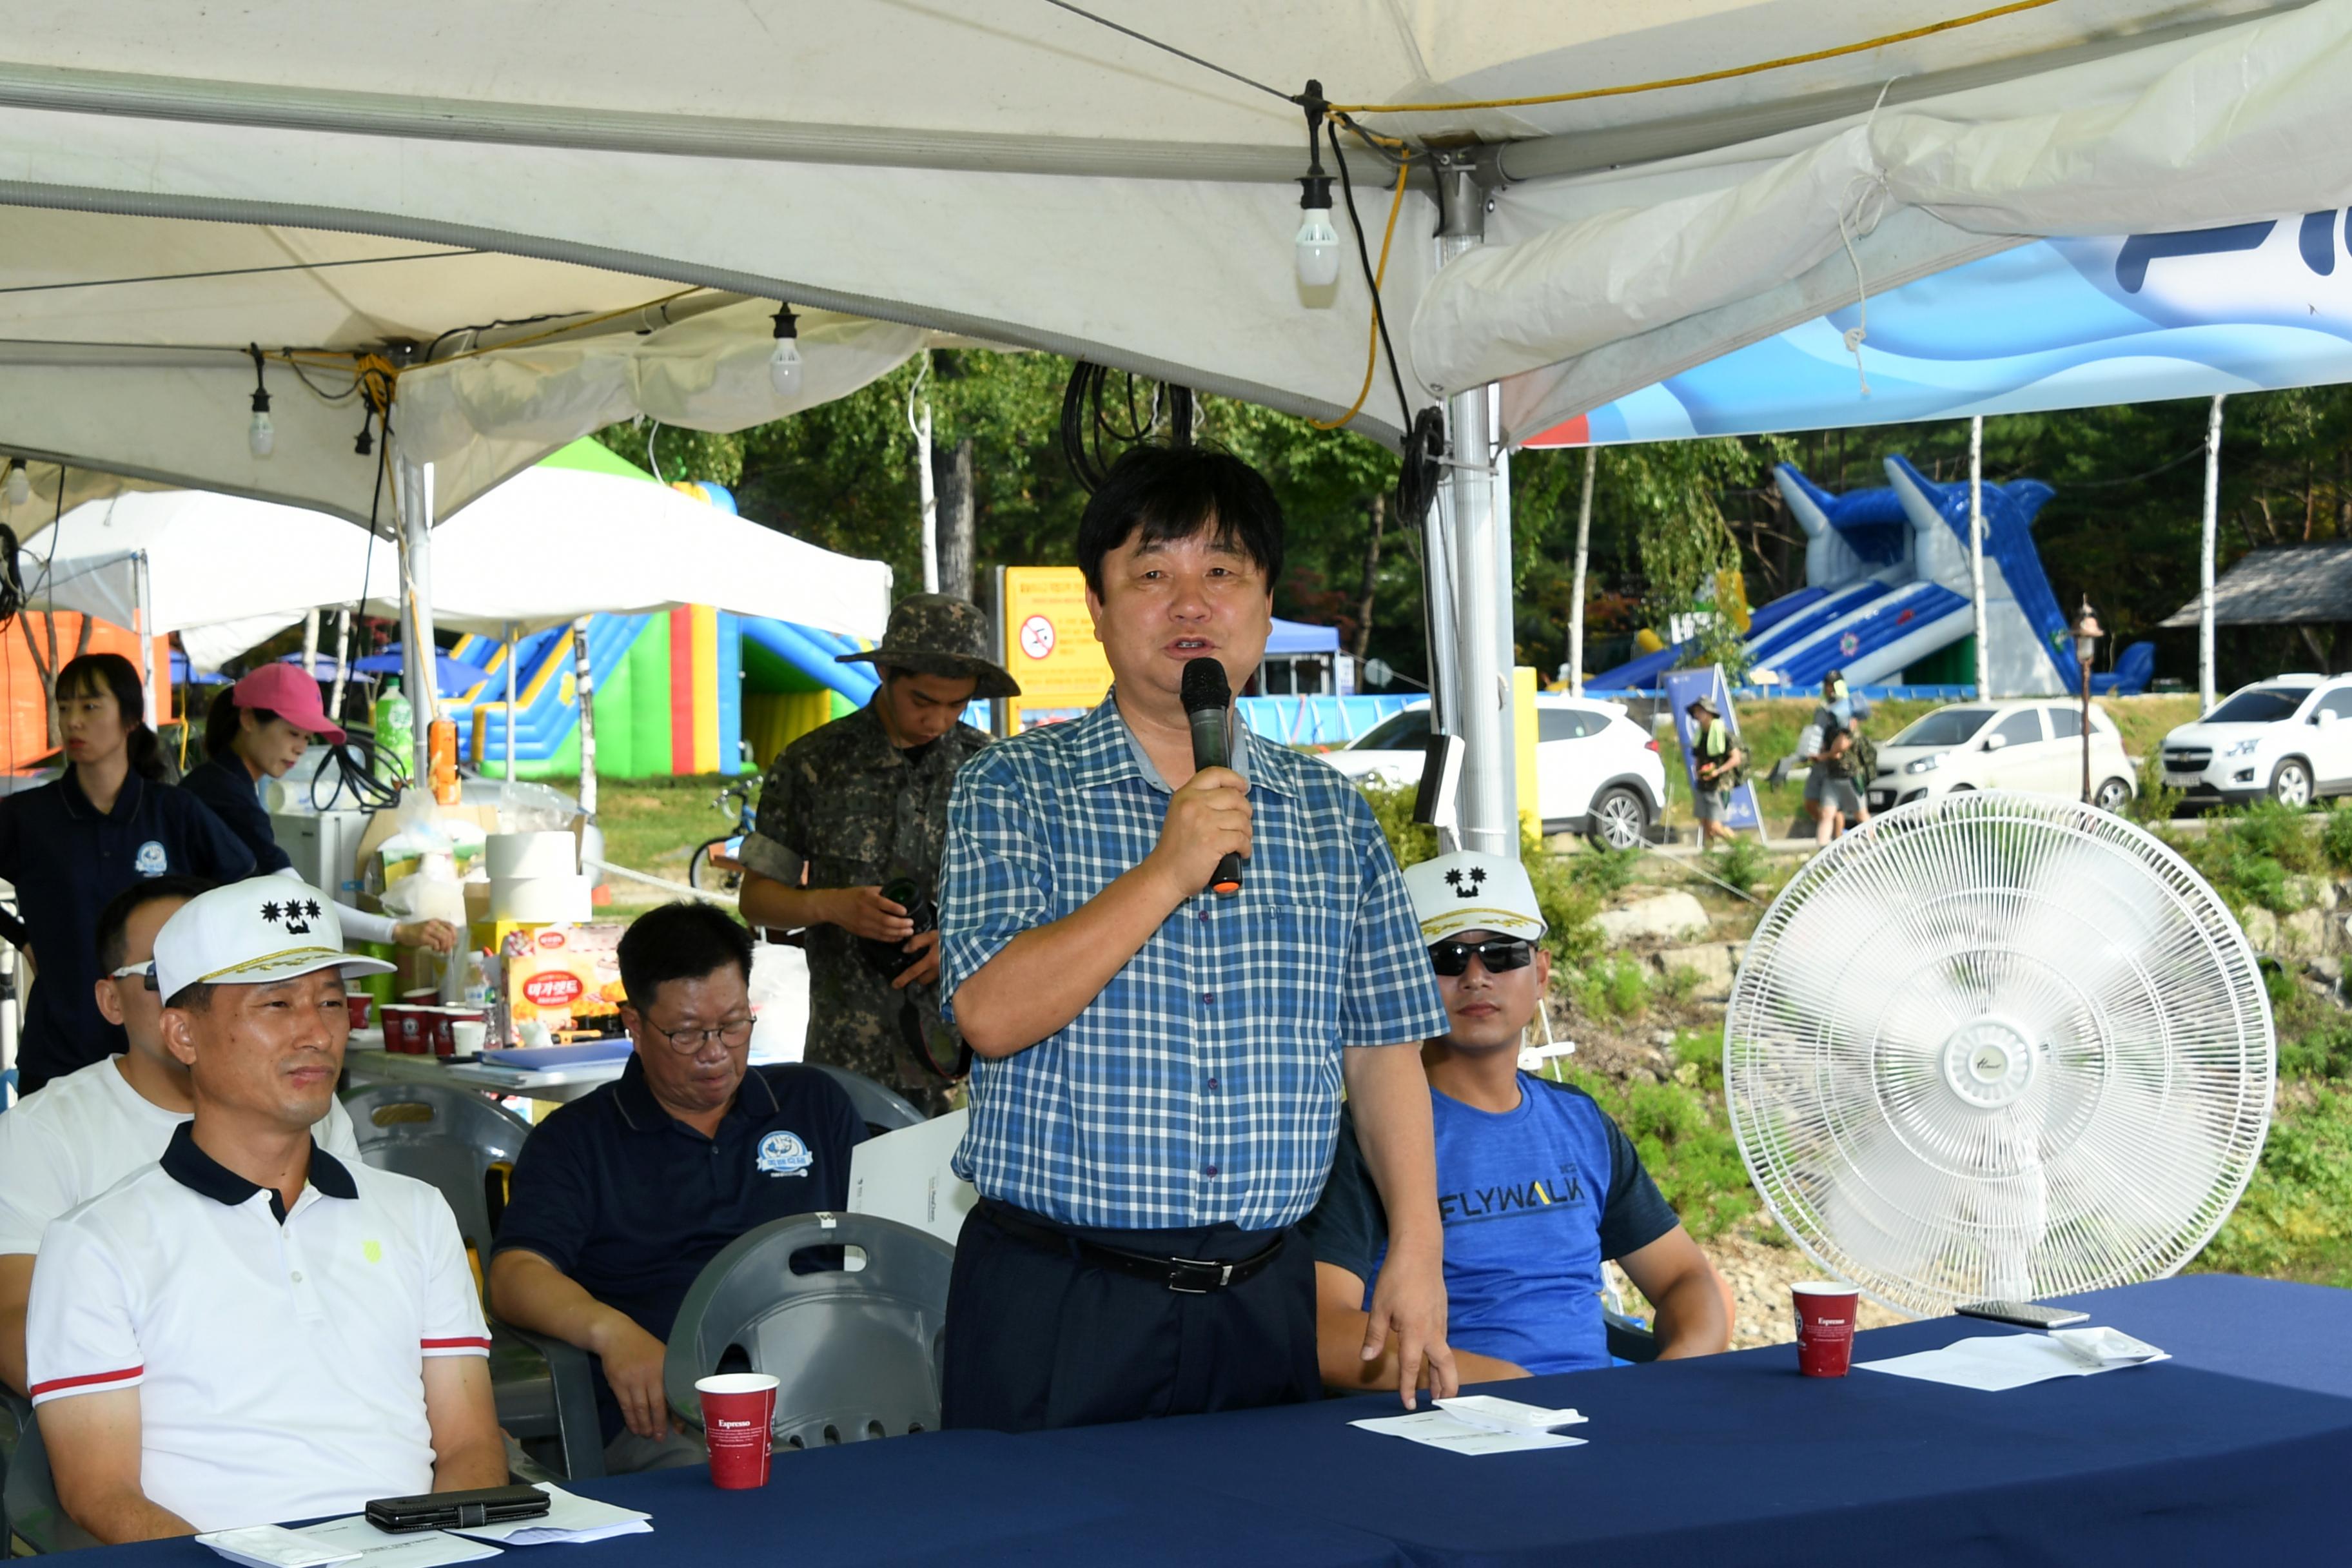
(234, 795)
(630, 1203)
(67, 861)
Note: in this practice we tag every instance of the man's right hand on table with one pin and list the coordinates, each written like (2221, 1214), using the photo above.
(1207, 820)
(863, 912)
(633, 1366)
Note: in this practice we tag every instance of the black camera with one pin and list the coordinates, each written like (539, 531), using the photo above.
(890, 959)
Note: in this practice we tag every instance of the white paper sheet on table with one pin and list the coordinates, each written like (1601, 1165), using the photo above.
(403, 1549)
(569, 1517)
(1995, 1363)
(1440, 1430)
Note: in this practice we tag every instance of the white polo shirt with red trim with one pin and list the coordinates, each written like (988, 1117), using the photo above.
(279, 1354)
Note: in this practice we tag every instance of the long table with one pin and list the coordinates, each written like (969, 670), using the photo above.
(2238, 1444)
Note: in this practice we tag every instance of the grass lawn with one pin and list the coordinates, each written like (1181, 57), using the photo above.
(653, 826)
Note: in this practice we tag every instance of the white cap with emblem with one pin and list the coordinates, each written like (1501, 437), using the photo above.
(253, 933)
(1473, 891)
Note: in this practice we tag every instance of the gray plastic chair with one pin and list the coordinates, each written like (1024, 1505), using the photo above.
(450, 1139)
(34, 1514)
(882, 1110)
(857, 1350)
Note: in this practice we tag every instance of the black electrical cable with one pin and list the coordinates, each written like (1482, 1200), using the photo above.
(1371, 279)
(236, 271)
(1170, 49)
(1085, 428)
(351, 767)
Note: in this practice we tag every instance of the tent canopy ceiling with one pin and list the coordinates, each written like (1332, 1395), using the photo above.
(1123, 204)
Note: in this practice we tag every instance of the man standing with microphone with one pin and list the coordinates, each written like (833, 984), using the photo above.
(1159, 1060)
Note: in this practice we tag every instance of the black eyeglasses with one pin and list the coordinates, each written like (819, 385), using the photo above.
(1498, 953)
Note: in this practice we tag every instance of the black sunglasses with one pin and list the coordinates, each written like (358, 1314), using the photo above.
(1498, 953)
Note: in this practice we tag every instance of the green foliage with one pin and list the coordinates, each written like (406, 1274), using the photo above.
(2296, 1220)
(2156, 800)
(1607, 988)
(1605, 873)
(1685, 1143)
(2249, 855)
(1410, 842)
(2336, 841)
(1742, 863)
(2315, 1035)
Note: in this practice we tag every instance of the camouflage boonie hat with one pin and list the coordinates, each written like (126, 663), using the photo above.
(937, 633)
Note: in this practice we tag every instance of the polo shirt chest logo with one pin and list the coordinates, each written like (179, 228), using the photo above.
(150, 861)
(783, 1154)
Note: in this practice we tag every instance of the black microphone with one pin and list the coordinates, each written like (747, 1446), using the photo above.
(1207, 702)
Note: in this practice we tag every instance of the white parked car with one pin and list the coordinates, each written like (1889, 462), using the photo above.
(1597, 772)
(2034, 745)
(2285, 737)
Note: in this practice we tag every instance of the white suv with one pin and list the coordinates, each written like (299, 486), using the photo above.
(2022, 745)
(2286, 738)
(1597, 772)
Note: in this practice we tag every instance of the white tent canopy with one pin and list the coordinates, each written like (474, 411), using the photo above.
(1124, 205)
(1026, 175)
(550, 544)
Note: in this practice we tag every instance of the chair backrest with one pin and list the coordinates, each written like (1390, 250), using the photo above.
(882, 1110)
(34, 1513)
(451, 1139)
(856, 1350)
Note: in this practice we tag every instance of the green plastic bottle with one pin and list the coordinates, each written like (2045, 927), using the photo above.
(395, 731)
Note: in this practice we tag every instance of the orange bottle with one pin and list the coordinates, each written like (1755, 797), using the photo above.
(443, 744)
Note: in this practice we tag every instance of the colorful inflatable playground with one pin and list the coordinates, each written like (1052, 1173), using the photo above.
(1887, 597)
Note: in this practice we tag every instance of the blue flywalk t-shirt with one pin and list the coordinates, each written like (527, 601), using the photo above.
(1533, 1201)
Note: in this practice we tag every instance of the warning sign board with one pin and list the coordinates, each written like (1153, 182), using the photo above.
(1050, 644)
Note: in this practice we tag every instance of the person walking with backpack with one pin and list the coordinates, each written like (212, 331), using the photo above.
(1719, 763)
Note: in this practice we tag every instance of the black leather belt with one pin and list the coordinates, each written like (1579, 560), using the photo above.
(1186, 1276)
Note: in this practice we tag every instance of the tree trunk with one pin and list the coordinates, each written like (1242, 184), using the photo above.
(1377, 512)
(951, 477)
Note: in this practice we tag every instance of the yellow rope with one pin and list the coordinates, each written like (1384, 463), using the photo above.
(1725, 75)
(1373, 349)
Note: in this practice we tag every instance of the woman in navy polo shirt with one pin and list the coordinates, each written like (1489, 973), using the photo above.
(70, 846)
(257, 730)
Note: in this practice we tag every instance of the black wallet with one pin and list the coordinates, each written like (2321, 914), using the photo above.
(457, 1511)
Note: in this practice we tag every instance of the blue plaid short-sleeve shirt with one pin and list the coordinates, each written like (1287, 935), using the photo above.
(1203, 1085)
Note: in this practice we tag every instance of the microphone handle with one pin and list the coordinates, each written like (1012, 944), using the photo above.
(1227, 881)
(1209, 751)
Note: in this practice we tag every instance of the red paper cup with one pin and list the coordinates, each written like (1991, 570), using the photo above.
(1824, 1327)
(738, 1408)
(359, 1004)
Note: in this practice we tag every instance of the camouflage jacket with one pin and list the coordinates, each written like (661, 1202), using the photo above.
(847, 803)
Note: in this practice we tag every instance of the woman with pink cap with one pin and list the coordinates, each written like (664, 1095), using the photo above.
(256, 731)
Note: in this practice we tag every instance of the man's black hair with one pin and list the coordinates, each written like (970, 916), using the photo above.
(684, 940)
(114, 920)
(1166, 493)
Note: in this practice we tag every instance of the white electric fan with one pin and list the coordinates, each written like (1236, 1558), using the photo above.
(1998, 1047)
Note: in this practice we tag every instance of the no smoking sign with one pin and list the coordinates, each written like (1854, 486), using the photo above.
(1037, 636)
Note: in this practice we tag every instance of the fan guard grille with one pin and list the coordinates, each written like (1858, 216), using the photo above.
(1996, 1044)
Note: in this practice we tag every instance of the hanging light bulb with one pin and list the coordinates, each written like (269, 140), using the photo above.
(1317, 242)
(259, 435)
(784, 364)
(20, 482)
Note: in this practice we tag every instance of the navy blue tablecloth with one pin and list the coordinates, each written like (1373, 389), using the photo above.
(2240, 1444)
(954, 1499)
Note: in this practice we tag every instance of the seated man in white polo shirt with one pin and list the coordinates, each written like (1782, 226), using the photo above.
(252, 1330)
(78, 1135)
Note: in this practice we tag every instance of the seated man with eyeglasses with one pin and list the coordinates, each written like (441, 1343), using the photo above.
(1536, 1185)
(621, 1197)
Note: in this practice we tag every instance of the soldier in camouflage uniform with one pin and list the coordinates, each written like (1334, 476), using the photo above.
(855, 805)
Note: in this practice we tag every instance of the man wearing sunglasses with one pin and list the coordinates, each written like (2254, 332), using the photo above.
(78, 1135)
(622, 1196)
(1536, 1184)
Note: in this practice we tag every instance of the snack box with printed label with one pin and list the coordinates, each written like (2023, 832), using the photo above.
(566, 977)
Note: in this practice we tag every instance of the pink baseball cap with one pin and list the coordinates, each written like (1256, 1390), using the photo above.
(284, 690)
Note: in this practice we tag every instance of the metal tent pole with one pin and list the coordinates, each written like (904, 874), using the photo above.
(1976, 554)
(145, 614)
(510, 702)
(2206, 689)
(1576, 591)
(1488, 816)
